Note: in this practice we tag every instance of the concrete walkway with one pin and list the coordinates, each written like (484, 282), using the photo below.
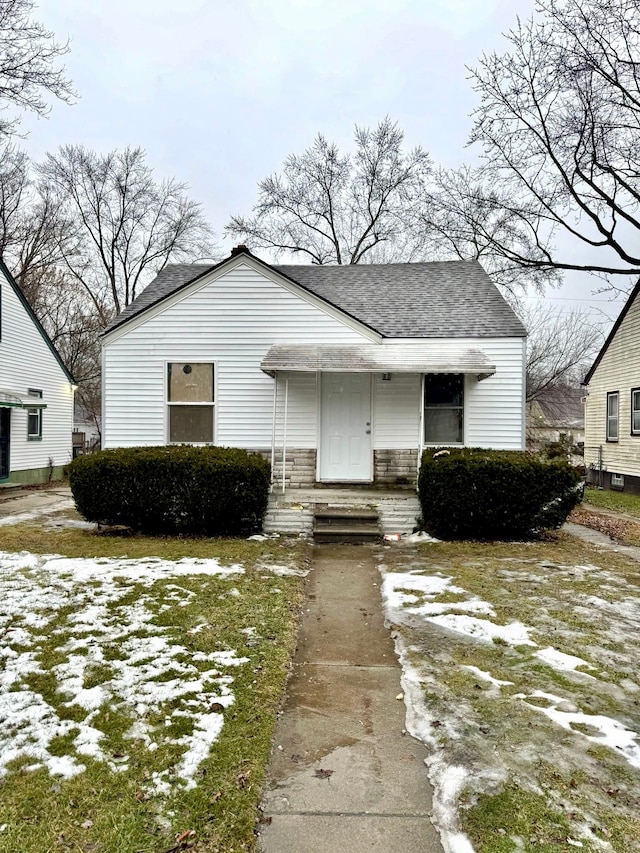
(343, 776)
(595, 537)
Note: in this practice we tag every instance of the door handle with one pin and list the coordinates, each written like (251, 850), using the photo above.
(368, 431)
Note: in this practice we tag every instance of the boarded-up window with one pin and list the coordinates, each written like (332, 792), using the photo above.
(444, 408)
(191, 395)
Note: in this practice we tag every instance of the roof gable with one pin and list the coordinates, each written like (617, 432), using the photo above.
(625, 310)
(442, 299)
(29, 310)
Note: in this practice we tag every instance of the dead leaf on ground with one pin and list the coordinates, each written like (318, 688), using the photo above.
(323, 774)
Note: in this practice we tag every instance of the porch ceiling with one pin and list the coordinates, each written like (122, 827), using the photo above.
(430, 357)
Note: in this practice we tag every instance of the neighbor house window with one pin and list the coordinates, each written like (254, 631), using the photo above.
(612, 415)
(635, 411)
(34, 418)
(190, 392)
(444, 408)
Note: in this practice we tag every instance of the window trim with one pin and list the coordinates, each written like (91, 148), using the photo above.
(34, 436)
(611, 394)
(635, 432)
(213, 403)
(461, 408)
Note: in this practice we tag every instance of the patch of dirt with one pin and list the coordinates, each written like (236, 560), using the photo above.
(619, 529)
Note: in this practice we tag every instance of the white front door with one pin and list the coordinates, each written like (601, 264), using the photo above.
(345, 427)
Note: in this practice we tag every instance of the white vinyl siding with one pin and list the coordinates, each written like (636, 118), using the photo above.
(232, 320)
(618, 370)
(396, 411)
(26, 361)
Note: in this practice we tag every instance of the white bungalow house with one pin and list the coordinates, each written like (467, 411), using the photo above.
(612, 408)
(338, 374)
(36, 394)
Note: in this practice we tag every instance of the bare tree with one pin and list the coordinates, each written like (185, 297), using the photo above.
(559, 123)
(129, 225)
(560, 347)
(33, 230)
(334, 208)
(460, 219)
(30, 67)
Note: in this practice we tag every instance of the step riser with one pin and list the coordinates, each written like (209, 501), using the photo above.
(326, 538)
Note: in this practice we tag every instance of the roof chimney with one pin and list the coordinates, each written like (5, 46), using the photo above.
(238, 250)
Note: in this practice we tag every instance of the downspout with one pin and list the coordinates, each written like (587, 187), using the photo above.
(284, 433)
(273, 426)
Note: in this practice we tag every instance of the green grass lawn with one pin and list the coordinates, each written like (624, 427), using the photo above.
(617, 501)
(139, 698)
(526, 656)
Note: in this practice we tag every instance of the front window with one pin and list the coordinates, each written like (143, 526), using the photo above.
(190, 397)
(444, 408)
(635, 411)
(34, 418)
(612, 416)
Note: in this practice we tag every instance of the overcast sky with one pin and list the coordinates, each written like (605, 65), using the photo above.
(219, 92)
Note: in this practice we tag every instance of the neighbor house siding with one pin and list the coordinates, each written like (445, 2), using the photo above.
(231, 320)
(26, 361)
(618, 370)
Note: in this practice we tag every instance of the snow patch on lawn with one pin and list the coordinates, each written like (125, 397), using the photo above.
(486, 676)
(283, 571)
(563, 662)
(398, 601)
(458, 732)
(149, 673)
(447, 780)
(607, 731)
(513, 634)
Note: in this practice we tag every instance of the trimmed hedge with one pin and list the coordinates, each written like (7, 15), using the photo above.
(471, 493)
(203, 491)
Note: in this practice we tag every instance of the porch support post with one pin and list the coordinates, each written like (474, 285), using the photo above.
(284, 433)
(273, 426)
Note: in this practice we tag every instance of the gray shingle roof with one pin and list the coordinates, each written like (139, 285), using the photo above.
(440, 299)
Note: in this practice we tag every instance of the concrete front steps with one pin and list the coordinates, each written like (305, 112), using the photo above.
(345, 525)
(293, 512)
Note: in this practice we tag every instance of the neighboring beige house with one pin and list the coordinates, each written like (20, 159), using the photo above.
(336, 373)
(612, 411)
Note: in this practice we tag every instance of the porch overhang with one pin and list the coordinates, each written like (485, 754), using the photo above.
(431, 357)
(13, 400)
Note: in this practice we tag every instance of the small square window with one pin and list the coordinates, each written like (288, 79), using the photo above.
(613, 399)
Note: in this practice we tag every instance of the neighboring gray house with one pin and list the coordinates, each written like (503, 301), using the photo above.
(337, 373)
(612, 411)
(557, 416)
(36, 394)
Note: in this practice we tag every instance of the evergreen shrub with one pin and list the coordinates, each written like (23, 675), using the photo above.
(179, 489)
(471, 493)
